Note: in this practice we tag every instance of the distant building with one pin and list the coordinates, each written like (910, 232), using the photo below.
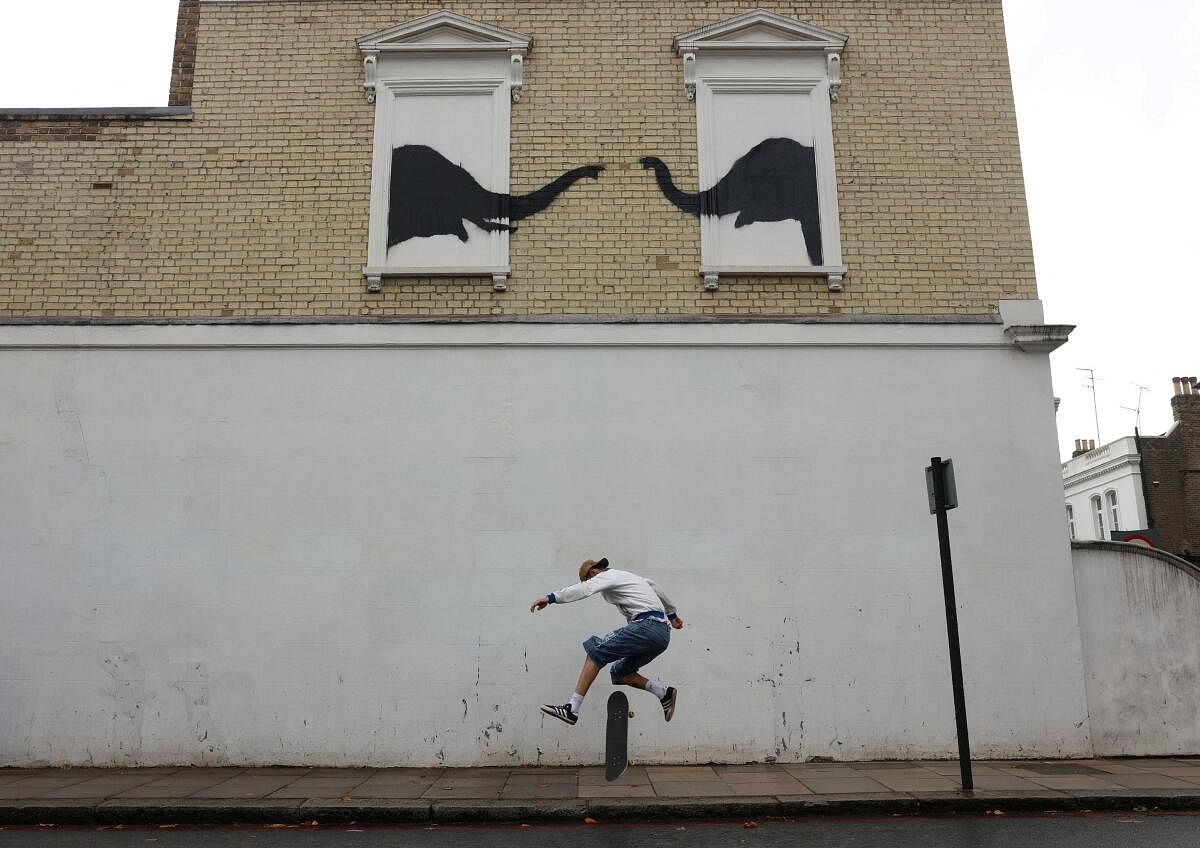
(1171, 474)
(1141, 488)
(1103, 488)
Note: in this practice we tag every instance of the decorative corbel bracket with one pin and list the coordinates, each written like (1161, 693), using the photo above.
(833, 69)
(689, 75)
(516, 84)
(370, 64)
(1038, 338)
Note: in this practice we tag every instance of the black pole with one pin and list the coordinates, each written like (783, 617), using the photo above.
(956, 678)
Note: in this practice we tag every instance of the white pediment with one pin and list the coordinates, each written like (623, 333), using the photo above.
(760, 30)
(444, 31)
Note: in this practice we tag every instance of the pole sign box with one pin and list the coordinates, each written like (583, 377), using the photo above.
(948, 487)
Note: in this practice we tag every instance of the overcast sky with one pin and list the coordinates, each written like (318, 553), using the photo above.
(1108, 103)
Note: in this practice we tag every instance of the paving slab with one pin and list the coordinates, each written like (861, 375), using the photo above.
(168, 787)
(246, 786)
(560, 776)
(694, 789)
(777, 788)
(632, 777)
(681, 773)
(1073, 782)
(545, 790)
(840, 785)
(319, 787)
(99, 787)
(389, 789)
(35, 787)
(603, 790)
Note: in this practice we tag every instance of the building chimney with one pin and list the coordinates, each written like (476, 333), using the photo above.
(1186, 401)
(1083, 446)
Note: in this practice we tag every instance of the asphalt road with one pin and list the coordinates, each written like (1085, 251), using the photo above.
(1064, 831)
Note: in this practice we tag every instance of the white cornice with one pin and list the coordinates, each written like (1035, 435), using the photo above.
(1126, 464)
(188, 336)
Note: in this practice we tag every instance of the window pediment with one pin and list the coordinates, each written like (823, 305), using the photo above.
(760, 29)
(444, 31)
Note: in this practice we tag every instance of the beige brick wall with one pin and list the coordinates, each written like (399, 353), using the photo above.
(257, 205)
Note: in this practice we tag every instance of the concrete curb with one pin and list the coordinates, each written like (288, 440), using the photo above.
(473, 811)
(466, 811)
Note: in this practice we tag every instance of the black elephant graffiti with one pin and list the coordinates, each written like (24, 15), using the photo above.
(432, 196)
(775, 180)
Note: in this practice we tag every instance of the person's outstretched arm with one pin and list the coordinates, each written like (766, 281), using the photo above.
(575, 592)
(672, 613)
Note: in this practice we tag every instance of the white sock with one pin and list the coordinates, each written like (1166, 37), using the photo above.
(656, 688)
(575, 702)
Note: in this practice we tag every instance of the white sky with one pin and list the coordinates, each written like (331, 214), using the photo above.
(1108, 103)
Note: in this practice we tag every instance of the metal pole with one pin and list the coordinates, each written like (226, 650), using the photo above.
(956, 678)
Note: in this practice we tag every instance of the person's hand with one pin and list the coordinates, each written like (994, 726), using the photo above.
(677, 623)
(540, 603)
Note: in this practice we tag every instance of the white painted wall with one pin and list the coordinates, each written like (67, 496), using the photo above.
(1139, 612)
(1114, 467)
(318, 545)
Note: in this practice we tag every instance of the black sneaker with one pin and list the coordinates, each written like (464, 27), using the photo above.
(562, 712)
(668, 702)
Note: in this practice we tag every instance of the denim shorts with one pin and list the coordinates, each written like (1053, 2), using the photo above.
(630, 647)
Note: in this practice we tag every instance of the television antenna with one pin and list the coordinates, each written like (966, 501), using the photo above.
(1137, 410)
(1091, 384)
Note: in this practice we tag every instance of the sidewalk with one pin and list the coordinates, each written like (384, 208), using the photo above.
(455, 795)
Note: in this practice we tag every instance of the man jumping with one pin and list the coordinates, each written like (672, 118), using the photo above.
(647, 635)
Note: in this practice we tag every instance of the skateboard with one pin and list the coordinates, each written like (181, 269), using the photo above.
(616, 741)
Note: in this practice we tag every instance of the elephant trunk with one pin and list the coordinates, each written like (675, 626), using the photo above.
(685, 202)
(524, 205)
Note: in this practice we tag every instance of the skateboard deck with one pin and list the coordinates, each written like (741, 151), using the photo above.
(616, 742)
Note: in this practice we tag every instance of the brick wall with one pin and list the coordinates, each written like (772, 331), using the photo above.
(257, 204)
(183, 64)
(1171, 475)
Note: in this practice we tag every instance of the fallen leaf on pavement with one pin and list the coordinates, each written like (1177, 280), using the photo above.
(589, 820)
(344, 798)
(750, 824)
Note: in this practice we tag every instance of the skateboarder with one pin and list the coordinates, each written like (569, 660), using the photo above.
(648, 612)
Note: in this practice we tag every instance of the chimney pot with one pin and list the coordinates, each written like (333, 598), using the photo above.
(1178, 384)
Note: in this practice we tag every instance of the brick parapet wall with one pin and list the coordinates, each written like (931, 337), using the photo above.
(1171, 471)
(183, 62)
(258, 205)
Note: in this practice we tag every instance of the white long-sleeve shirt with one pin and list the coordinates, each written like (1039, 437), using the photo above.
(628, 592)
